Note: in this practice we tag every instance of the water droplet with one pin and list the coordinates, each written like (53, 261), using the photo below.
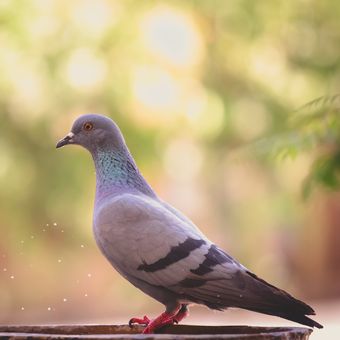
(49, 308)
(55, 224)
(12, 277)
(81, 246)
(64, 299)
(59, 260)
(22, 308)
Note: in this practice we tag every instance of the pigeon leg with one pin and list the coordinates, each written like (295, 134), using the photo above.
(140, 321)
(182, 313)
(166, 318)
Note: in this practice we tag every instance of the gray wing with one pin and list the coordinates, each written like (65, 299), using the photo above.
(152, 243)
(147, 240)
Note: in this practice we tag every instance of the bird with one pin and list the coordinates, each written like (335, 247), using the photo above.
(157, 248)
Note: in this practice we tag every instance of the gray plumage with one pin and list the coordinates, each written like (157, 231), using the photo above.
(158, 249)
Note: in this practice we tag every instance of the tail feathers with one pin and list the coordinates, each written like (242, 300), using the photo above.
(289, 315)
(282, 304)
(245, 290)
(302, 319)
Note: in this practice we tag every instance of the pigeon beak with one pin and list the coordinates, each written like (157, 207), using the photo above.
(68, 139)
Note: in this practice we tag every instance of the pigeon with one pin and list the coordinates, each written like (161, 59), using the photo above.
(158, 249)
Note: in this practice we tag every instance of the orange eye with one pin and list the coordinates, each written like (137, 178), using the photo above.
(88, 126)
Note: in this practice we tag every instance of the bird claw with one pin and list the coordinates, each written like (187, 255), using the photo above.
(152, 327)
(164, 319)
(139, 321)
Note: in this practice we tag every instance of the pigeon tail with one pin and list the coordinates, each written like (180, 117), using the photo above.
(279, 303)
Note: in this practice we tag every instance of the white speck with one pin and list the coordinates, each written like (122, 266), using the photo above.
(218, 295)
(89, 274)
(12, 277)
(22, 308)
(49, 308)
(64, 299)
(22, 241)
(81, 246)
(5, 269)
(62, 230)
(32, 237)
(47, 224)
(44, 230)
(77, 281)
(85, 295)
(241, 296)
(55, 224)
(59, 260)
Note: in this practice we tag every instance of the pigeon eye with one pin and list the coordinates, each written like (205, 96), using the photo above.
(88, 126)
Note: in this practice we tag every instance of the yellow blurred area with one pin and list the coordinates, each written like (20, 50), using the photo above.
(188, 83)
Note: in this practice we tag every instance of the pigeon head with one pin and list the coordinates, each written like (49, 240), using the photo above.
(94, 131)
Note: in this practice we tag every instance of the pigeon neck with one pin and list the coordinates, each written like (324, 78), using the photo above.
(116, 172)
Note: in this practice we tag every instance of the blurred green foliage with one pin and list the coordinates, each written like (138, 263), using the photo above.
(314, 128)
(187, 82)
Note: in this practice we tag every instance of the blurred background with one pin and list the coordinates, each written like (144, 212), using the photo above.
(206, 94)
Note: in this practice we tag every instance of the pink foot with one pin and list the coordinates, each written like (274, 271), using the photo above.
(161, 321)
(139, 321)
(183, 313)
